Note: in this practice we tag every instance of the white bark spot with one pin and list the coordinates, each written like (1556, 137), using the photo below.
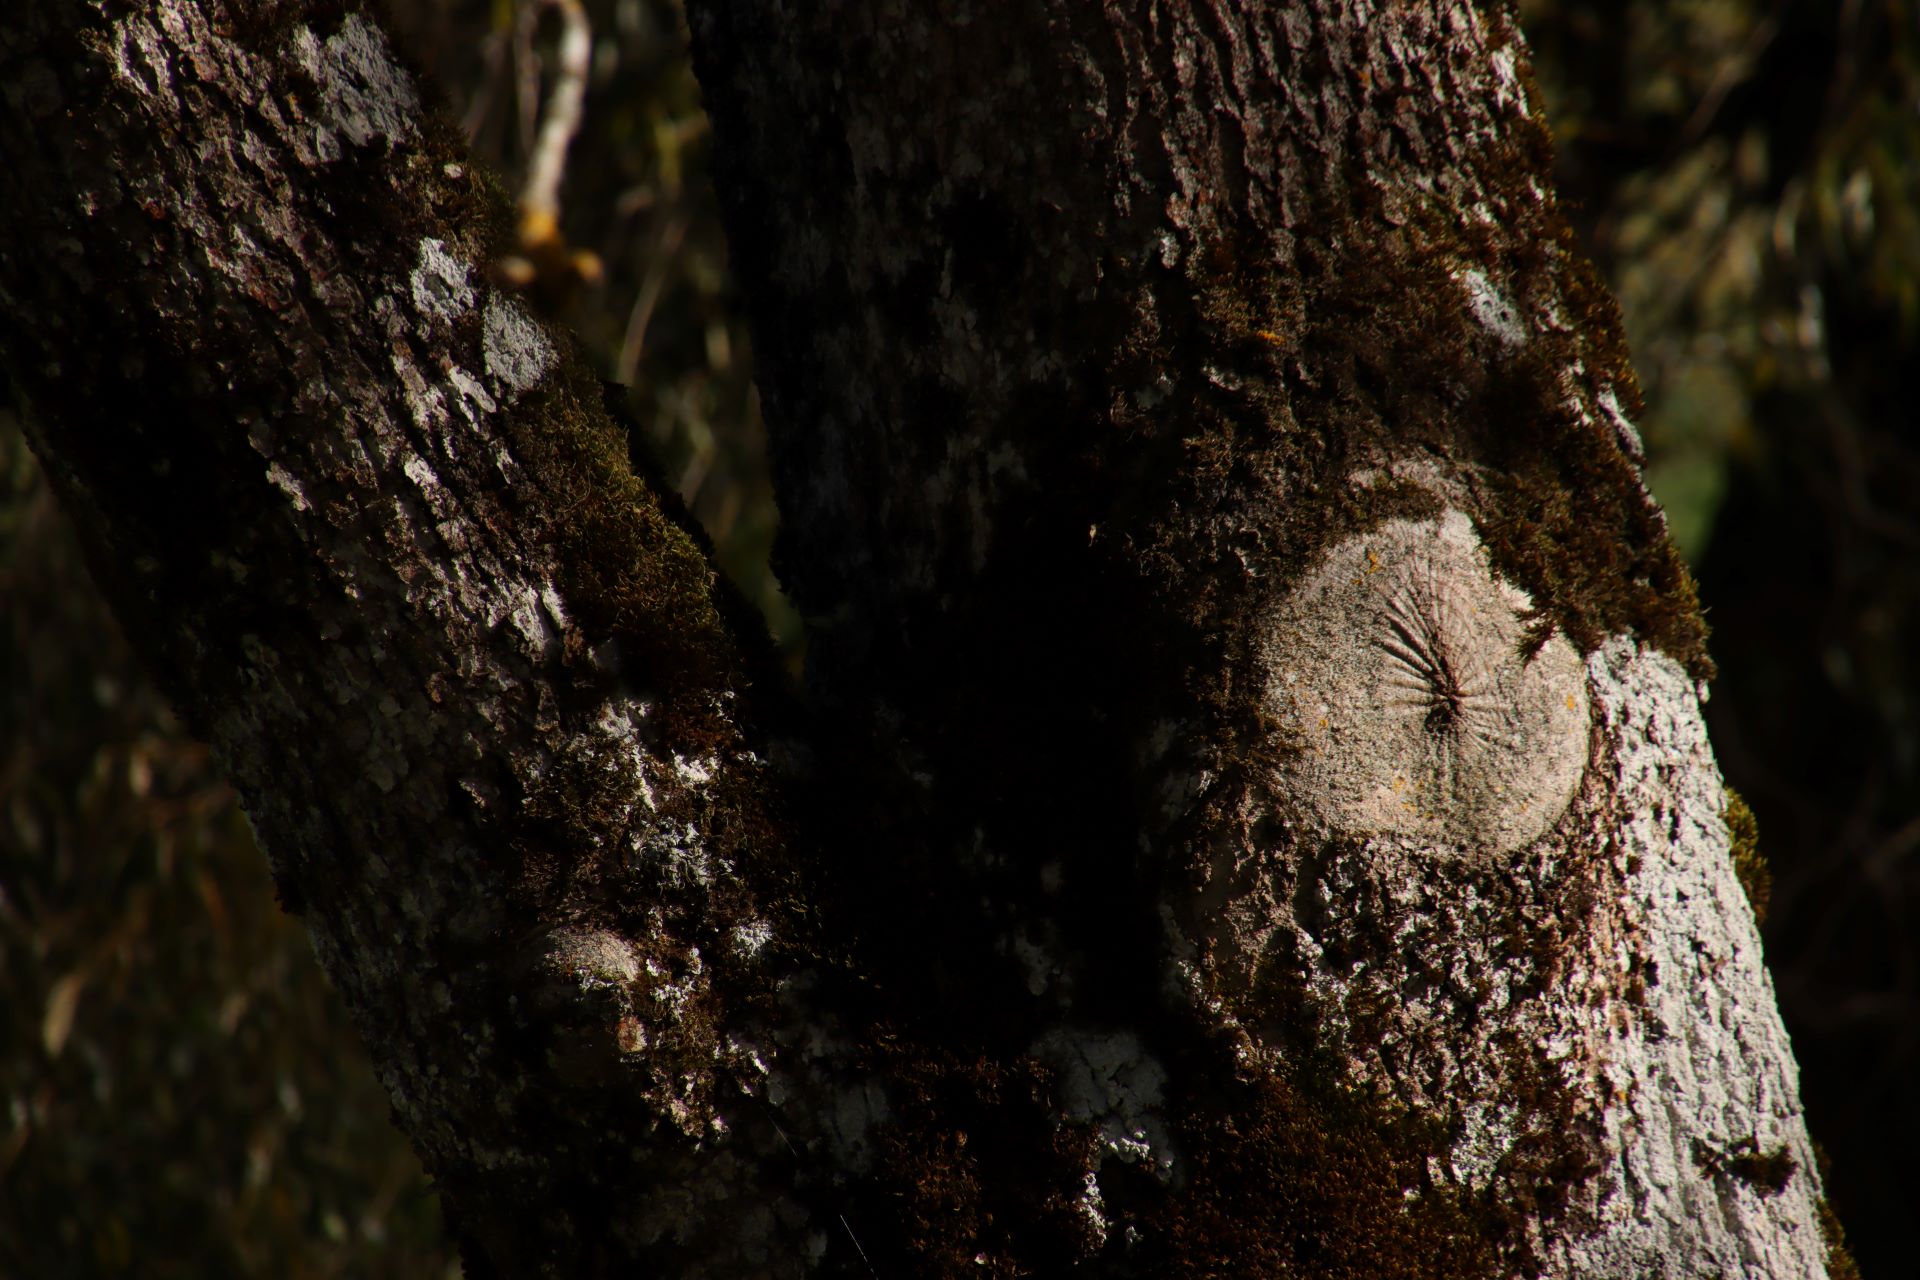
(1507, 87)
(1109, 1080)
(1623, 428)
(421, 472)
(363, 93)
(520, 606)
(473, 395)
(426, 405)
(141, 61)
(516, 351)
(440, 286)
(289, 484)
(1397, 669)
(1492, 308)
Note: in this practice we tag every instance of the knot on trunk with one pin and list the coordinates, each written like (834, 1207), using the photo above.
(1412, 699)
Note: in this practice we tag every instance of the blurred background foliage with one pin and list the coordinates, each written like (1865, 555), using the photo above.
(182, 1095)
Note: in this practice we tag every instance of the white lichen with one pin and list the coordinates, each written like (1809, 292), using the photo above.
(439, 281)
(516, 352)
(751, 937)
(1492, 308)
(364, 94)
(1109, 1081)
(1624, 431)
(620, 724)
(1413, 701)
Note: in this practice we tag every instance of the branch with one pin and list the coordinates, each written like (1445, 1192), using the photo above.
(477, 685)
(543, 252)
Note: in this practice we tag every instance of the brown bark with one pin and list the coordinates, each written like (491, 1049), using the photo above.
(1099, 344)
(1092, 341)
(367, 520)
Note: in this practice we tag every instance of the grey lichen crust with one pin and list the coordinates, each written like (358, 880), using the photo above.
(1709, 1169)
(1412, 703)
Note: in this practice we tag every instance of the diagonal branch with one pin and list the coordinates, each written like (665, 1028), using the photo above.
(487, 707)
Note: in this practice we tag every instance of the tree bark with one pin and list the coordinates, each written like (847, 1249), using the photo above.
(1250, 811)
(366, 518)
(1203, 449)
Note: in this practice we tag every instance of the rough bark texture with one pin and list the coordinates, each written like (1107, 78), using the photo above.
(1256, 817)
(1095, 341)
(367, 519)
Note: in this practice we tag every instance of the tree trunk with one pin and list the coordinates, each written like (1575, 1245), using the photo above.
(1249, 812)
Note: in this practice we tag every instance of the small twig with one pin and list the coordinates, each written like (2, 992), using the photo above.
(1732, 72)
(540, 198)
(493, 60)
(543, 254)
(526, 72)
(634, 340)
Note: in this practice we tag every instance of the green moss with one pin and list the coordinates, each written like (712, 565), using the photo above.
(1302, 1173)
(1749, 864)
(1765, 1171)
(978, 1179)
(1370, 353)
(1840, 1263)
(1302, 1176)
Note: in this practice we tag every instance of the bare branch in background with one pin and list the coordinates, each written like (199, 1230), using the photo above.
(544, 255)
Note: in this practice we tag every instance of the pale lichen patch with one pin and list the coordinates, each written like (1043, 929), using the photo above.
(516, 351)
(1492, 308)
(364, 94)
(1109, 1080)
(1412, 699)
(439, 281)
(594, 959)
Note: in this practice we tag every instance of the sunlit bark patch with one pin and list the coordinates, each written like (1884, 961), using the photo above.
(1411, 701)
